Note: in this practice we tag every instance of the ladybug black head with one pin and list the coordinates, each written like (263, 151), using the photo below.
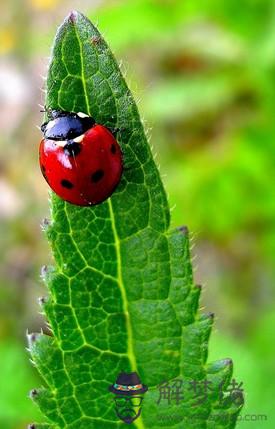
(66, 125)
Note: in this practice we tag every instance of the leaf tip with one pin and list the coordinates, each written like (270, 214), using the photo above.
(72, 17)
(32, 338)
(42, 300)
(33, 393)
(44, 271)
(220, 365)
(45, 224)
(184, 230)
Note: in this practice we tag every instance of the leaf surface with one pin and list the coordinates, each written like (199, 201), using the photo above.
(121, 294)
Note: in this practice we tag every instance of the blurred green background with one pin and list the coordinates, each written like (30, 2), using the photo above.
(204, 75)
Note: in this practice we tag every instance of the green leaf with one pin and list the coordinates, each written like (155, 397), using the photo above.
(121, 295)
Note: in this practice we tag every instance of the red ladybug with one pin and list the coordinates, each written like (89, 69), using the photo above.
(80, 160)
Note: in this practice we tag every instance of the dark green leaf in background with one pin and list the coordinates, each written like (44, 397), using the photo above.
(121, 295)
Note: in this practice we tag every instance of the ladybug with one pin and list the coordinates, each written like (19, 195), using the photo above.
(80, 160)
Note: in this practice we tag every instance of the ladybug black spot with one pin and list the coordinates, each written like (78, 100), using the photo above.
(113, 148)
(66, 184)
(72, 148)
(97, 175)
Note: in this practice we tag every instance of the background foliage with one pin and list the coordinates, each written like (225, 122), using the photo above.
(204, 74)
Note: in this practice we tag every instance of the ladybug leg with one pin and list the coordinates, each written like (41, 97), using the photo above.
(52, 113)
(47, 110)
(116, 130)
(50, 116)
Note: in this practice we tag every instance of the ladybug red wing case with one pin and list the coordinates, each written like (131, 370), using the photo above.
(85, 169)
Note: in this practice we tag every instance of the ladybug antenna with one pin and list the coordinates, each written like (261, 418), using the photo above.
(47, 110)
